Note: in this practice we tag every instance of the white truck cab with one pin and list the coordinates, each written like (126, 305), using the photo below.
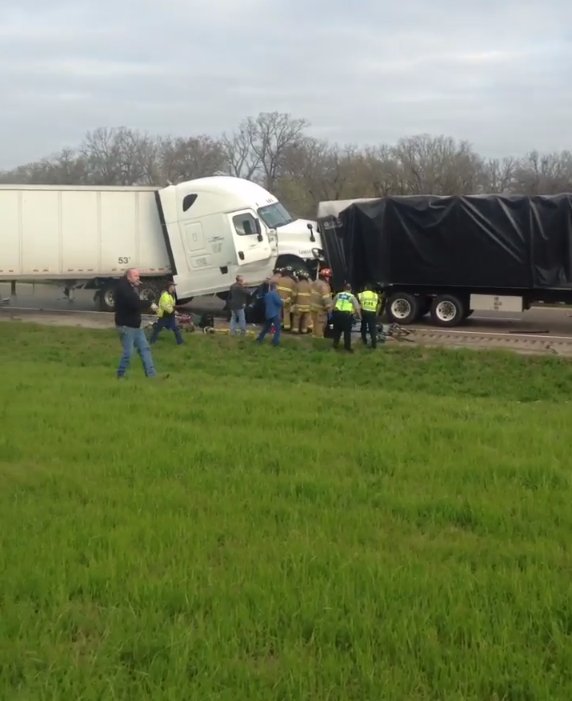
(299, 243)
(215, 234)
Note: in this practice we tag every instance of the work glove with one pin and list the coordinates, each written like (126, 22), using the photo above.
(154, 307)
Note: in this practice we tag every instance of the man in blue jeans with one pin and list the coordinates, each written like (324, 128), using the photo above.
(128, 308)
(237, 301)
(167, 315)
(273, 314)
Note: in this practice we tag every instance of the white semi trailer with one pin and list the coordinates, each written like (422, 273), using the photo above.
(201, 233)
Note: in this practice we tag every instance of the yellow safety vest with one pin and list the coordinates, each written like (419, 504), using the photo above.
(344, 302)
(368, 300)
(166, 304)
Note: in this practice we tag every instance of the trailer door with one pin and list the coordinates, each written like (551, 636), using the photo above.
(251, 244)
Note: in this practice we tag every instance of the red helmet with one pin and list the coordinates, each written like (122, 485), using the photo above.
(326, 272)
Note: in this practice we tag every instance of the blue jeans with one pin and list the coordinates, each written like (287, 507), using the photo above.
(277, 321)
(135, 339)
(238, 318)
(166, 322)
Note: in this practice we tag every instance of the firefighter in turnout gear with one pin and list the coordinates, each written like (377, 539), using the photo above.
(321, 302)
(301, 320)
(285, 287)
(370, 303)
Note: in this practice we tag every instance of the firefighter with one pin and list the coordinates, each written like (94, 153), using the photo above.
(275, 279)
(370, 303)
(301, 320)
(321, 302)
(285, 287)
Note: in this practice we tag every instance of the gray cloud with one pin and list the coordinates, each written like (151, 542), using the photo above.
(495, 75)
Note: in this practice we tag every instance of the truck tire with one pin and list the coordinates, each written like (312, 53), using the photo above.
(402, 308)
(106, 297)
(448, 310)
(150, 291)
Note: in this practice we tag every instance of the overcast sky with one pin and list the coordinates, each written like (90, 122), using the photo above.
(495, 73)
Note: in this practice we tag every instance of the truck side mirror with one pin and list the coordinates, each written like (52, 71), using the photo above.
(312, 237)
(258, 230)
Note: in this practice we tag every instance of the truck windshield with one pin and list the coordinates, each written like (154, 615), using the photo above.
(275, 215)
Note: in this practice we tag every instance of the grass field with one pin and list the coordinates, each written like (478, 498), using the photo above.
(283, 523)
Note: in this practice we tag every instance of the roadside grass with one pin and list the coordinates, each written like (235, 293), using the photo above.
(286, 523)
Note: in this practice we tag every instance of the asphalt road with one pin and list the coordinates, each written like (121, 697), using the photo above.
(540, 320)
(52, 297)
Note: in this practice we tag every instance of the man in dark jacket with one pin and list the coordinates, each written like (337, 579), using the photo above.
(237, 301)
(128, 308)
(273, 304)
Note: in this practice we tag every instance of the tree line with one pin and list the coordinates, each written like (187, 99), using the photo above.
(275, 150)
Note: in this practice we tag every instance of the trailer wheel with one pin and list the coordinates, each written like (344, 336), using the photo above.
(106, 298)
(149, 292)
(403, 308)
(448, 310)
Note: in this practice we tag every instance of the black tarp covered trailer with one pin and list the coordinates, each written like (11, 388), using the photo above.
(429, 246)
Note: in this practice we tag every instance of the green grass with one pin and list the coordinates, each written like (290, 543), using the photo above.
(282, 523)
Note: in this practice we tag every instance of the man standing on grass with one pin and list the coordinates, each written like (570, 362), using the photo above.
(370, 303)
(167, 315)
(345, 305)
(128, 308)
(237, 301)
(273, 304)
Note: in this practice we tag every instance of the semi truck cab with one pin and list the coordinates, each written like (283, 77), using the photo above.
(299, 242)
(211, 237)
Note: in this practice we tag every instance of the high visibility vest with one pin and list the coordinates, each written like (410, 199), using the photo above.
(345, 302)
(368, 300)
(166, 304)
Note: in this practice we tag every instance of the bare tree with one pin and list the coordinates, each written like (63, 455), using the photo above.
(195, 157)
(64, 168)
(273, 134)
(438, 165)
(273, 149)
(242, 160)
(546, 174)
(120, 156)
(499, 175)
(258, 149)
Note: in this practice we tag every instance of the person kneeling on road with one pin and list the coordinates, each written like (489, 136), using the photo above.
(273, 304)
(345, 305)
(167, 316)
